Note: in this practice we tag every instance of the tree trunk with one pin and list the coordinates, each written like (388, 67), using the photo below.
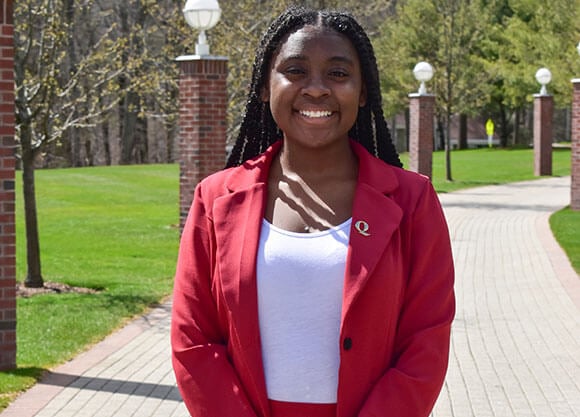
(516, 127)
(448, 175)
(34, 275)
(504, 124)
(441, 133)
(128, 125)
(462, 142)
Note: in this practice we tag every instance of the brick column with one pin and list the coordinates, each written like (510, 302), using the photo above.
(543, 111)
(421, 133)
(7, 164)
(202, 123)
(575, 167)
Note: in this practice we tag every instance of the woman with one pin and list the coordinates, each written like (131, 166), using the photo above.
(315, 276)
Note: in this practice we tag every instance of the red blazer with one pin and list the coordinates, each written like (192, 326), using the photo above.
(398, 301)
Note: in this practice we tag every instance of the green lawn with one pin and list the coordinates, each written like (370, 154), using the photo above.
(566, 227)
(475, 167)
(107, 228)
(114, 229)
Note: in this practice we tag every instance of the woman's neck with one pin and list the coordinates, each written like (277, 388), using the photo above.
(307, 163)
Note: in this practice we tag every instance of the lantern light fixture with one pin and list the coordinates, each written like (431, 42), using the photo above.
(202, 15)
(543, 76)
(423, 72)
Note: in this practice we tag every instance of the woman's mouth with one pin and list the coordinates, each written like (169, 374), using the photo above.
(315, 114)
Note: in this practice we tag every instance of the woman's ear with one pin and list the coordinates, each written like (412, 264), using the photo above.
(362, 101)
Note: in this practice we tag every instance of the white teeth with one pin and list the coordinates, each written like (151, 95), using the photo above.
(315, 114)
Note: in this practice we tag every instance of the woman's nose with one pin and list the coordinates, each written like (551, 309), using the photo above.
(316, 87)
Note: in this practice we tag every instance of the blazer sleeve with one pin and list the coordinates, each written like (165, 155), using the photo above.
(206, 379)
(410, 387)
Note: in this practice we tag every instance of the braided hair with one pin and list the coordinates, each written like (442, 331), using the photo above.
(259, 130)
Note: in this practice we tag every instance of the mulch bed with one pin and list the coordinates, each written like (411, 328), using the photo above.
(51, 288)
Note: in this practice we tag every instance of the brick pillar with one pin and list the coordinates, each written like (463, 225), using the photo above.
(543, 111)
(421, 133)
(202, 123)
(7, 164)
(575, 167)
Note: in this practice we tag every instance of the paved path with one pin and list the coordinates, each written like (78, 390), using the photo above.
(516, 337)
(515, 343)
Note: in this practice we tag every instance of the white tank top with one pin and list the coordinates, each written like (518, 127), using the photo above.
(300, 279)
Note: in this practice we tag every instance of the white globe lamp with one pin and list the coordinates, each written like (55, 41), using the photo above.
(543, 76)
(423, 72)
(202, 15)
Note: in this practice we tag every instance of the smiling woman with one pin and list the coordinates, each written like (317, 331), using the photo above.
(315, 89)
(315, 275)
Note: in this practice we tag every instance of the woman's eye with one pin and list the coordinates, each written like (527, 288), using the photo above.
(338, 73)
(294, 71)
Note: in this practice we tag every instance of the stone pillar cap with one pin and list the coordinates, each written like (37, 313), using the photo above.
(416, 95)
(201, 57)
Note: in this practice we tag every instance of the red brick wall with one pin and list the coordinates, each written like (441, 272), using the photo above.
(543, 134)
(575, 197)
(7, 163)
(202, 123)
(421, 109)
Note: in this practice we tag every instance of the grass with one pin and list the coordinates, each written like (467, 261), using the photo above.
(486, 166)
(113, 229)
(107, 228)
(566, 226)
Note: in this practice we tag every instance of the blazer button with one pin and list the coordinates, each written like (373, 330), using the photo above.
(347, 343)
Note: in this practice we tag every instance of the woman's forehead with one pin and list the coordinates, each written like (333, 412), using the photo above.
(311, 36)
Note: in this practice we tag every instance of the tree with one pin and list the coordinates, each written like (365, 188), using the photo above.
(47, 98)
(527, 35)
(444, 33)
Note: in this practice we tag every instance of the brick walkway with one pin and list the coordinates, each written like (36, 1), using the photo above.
(516, 337)
(515, 343)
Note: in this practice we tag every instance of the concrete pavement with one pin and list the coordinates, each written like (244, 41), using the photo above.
(515, 342)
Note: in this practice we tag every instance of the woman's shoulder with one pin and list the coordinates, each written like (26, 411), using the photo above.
(411, 188)
(243, 176)
(216, 184)
(411, 179)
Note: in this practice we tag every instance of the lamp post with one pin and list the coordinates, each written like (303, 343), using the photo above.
(543, 132)
(203, 104)
(421, 110)
(543, 76)
(202, 15)
(423, 72)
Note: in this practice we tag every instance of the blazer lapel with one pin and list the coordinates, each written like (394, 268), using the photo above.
(375, 218)
(238, 220)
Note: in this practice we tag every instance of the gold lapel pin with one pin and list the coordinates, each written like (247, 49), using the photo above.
(362, 227)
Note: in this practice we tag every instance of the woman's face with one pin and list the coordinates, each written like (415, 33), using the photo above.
(315, 87)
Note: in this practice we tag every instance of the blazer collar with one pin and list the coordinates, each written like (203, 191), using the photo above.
(375, 217)
(372, 171)
(253, 171)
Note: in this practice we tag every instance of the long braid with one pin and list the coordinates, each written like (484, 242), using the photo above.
(259, 130)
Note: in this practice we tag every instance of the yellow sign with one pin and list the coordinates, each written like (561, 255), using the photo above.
(489, 126)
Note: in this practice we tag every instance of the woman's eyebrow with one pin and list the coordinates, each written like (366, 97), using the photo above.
(337, 58)
(296, 57)
(342, 58)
